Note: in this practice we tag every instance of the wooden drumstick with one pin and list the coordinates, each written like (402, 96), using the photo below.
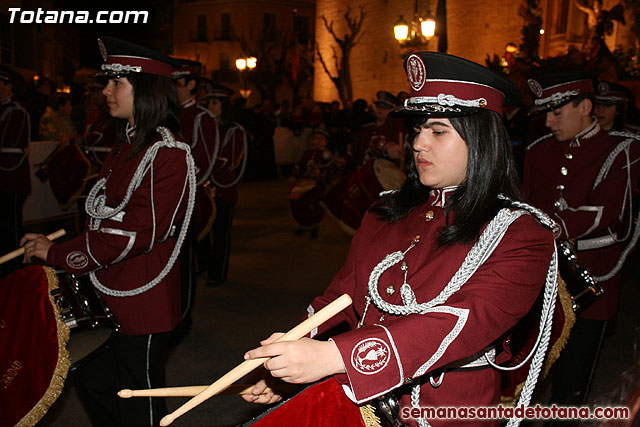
(20, 251)
(187, 391)
(249, 365)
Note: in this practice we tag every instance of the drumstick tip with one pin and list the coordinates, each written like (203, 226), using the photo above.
(125, 393)
(166, 420)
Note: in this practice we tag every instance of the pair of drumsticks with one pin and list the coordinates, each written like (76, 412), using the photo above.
(202, 393)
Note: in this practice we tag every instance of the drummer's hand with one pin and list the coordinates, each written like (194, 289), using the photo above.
(257, 395)
(35, 245)
(302, 361)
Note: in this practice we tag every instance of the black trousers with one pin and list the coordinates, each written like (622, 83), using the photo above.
(221, 245)
(572, 373)
(130, 361)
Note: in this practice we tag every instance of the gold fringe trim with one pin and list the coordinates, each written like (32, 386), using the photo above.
(369, 416)
(62, 366)
(554, 352)
(569, 321)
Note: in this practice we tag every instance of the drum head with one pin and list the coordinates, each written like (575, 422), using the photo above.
(85, 344)
(388, 174)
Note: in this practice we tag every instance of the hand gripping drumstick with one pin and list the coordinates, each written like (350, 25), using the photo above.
(187, 391)
(20, 251)
(249, 365)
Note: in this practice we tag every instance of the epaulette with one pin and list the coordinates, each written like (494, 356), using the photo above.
(542, 138)
(625, 135)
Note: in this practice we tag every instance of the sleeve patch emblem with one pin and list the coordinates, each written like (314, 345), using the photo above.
(77, 260)
(370, 356)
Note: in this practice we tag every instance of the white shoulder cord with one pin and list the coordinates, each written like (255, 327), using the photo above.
(245, 154)
(216, 146)
(602, 174)
(4, 116)
(488, 241)
(96, 209)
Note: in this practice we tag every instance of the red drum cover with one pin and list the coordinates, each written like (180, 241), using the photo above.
(524, 337)
(68, 170)
(34, 360)
(321, 405)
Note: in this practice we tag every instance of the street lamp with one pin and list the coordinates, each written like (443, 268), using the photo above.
(417, 33)
(242, 64)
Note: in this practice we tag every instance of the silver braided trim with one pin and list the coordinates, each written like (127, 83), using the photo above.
(245, 156)
(197, 129)
(119, 68)
(24, 152)
(556, 97)
(445, 99)
(602, 174)
(97, 203)
(479, 253)
(488, 241)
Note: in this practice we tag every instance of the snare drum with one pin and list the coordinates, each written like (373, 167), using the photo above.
(90, 321)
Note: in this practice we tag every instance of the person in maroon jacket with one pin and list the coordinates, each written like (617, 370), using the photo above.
(201, 133)
(15, 181)
(584, 179)
(138, 212)
(227, 172)
(441, 270)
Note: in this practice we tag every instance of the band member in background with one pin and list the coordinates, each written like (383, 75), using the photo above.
(433, 301)
(382, 137)
(201, 133)
(613, 103)
(227, 172)
(584, 179)
(311, 176)
(138, 214)
(15, 181)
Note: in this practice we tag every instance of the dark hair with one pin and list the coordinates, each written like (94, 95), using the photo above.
(581, 97)
(187, 78)
(490, 171)
(155, 103)
(58, 99)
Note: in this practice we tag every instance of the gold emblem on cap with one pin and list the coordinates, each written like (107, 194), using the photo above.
(428, 216)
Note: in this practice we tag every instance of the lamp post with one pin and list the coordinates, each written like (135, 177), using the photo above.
(418, 32)
(242, 64)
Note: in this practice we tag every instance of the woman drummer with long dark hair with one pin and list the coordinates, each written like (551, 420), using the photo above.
(441, 270)
(138, 212)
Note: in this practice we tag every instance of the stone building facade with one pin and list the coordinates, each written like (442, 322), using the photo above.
(475, 29)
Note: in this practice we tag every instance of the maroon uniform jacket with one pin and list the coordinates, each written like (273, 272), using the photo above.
(557, 171)
(228, 164)
(200, 132)
(127, 252)
(14, 141)
(392, 350)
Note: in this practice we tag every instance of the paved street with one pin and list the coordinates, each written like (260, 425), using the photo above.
(273, 276)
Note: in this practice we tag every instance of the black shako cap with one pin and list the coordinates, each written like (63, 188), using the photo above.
(444, 85)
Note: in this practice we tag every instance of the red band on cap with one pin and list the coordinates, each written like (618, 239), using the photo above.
(151, 66)
(466, 91)
(580, 86)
